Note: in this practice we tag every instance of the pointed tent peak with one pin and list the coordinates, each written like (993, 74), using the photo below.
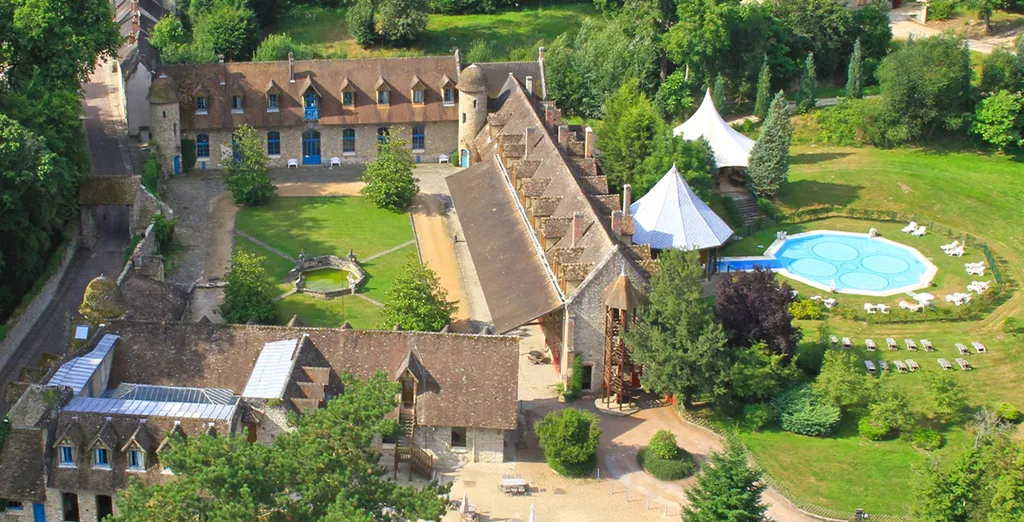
(295, 322)
(620, 294)
(731, 148)
(671, 215)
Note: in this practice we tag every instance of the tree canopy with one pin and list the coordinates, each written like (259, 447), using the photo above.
(754, 307)
(626, 134)
(389, 180)
(727, 489)
(769, 157)
(569, 439)
(250, 294)
(247, 175)
(416, 300)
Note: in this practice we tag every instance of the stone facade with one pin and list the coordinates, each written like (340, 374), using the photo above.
(165, 131)
(136, 107)
(482, 445)
(87, 503)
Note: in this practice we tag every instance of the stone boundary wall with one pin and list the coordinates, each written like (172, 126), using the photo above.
(145, 248)
(146, 206)
(22, 321)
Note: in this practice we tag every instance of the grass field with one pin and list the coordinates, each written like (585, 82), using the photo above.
(324, 226)
(982, 195)
(514, 34)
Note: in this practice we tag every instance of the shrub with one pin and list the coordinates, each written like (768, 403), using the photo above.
(188, 154)
(942, 9)
(768, 208)
(849, 122)
(1007, 412)
(569, 439)
(680, 466)
(805, 309)
(870, 429)
(249, 295)
(163, 229)
(1013, 326)
(803, 412)
(757, 416)
(389, 180)
(663, 445)
(928, 440)
(732, 210)
(151, 174)
(480, 51)
(575, 389)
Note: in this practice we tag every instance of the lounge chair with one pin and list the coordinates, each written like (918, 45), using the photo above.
(870, 366)
(962, 349)
(815, 298)
(979, 347)
(829, 303)
(958, 251)
(884, 366)
(919, 232)
(910, 228)
(293, 164)
(884, 308)
(911, 345)
(870, 308)
(927, 345)
(945, 364)
(978, 271)
(964, 365)
(870, 344)
(847, 343)
(951, 246)
(900, 367)
(912, 365)
(910, 306)
(891, 343)
(834, 339)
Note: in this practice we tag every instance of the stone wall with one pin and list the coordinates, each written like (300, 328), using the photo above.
(356, 274)
(165, 131)
(273, 422)
(146, 206)
(482, 445)
(136, 89)
(86, 505)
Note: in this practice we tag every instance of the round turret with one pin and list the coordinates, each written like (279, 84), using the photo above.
(472, 109)
(472, 80)
(165, 121)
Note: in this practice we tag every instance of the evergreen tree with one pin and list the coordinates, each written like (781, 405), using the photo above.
(627, 133)
(248, 177)
(249, 295)
(805, 99)
(727, 490)
(854, 75)
(718, 93)
(769, 158)
(389, 180)
(764, 91)
(416, 300)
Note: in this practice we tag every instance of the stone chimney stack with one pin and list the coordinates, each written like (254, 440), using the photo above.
(563, 136)
(588, 144)
(528, 139)
(550, 115)
(529, 84)
(540, 54)
(577, 229)
(627, 197)
(291, 67)
(223, 70)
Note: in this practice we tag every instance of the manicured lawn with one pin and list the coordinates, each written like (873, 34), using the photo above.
(982, 195)
(329, 225)
(518, 31)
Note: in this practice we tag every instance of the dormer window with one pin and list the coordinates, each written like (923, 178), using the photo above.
(236, 104)
(417, 96)
(136, 460)
(273, 105)
(348, 98)
(101, 458)
(67, 456)
(201, 105)
(383, 97)
(449, 96)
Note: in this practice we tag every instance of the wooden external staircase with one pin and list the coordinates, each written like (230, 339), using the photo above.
(406, 451)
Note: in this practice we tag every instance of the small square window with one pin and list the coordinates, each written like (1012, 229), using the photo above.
(15, 507)
(272, 103)
(347, 98)
(449, 96)
(417, 96)
(101, 458)
(236, 104)
(200, 104)
(383, 97)
(67, 456)
(136, 460)
(458, 437)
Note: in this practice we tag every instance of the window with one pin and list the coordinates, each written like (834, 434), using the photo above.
(382, 134)
(458, 437)
(272, 103)
(200, 104)
(67, 456)
(136, 460)
(236, 103)
(463, 117)
(474, 104)
(69, 506)
(383, 97)
(203, 146)
(348, 141)
(449, 96)
(15, 507)
(418, 138)
(347, 98)
(101, 458)
(417, 96)
(310, 98)
(273, 143)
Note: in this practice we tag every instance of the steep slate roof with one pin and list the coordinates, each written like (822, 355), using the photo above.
(495, 74)
(670, 215)
(24, 447)
(325, 76)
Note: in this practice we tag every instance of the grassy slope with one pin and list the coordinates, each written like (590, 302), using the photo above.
(981, 195)
(522, 30)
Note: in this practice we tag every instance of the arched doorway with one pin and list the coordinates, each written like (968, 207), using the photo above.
(311, 147)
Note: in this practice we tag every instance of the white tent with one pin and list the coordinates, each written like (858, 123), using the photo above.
(672, 216)
(731, 148)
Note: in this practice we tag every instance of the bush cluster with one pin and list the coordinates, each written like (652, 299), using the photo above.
(569, 439)
(1007, 412)
(871, 430)
(151, 174)
(163, 228)
(663, 445)
(757, 416)
(575, 389)
(928, 440)
(805, 309)
(803, 412)
(1013, 326)
(679, 467)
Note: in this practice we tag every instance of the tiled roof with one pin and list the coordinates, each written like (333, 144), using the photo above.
(495, 74)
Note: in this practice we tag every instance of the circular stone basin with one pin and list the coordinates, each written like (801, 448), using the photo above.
(326, 279)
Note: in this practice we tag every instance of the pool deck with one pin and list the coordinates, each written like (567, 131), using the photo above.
(925, 280)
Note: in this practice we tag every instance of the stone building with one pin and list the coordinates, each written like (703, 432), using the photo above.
(319, 112)
(136, 59)
(104, 417)
(547, 239)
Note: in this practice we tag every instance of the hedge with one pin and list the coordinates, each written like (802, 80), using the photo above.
(677, 468)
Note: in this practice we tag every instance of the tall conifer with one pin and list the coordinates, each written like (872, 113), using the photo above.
(769, 158)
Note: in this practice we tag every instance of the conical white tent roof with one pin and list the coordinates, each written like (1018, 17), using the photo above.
(672, 216)
(731, 148)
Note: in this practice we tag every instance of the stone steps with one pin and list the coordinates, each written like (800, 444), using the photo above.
(747, 206)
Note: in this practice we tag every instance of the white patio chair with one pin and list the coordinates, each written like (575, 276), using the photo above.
(335, 161)
(919, 232)
(870, 308)
(829, 303)
(443, 158)
(951, 246)
(882, 308)
(293, 164)
(911, 227)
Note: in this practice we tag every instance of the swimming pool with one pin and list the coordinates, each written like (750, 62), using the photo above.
(848, 262)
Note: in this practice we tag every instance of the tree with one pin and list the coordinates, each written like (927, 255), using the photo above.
(822, 27)
(569, 440)
(841, 380)
(947, 396)
(169, 35)
(400, 21)
(698, 38)
(890, 408)
(1000, 71)
(417, 301)
(764, 91)
(727, 490)
(806, 101)
(676, 338)
(1000, 119)
(754, 307)
(673, 98)
(854, 78)
(693, 159)
(228, 29)
(804, 412)
(769, 157)
(718, 92)
(389, 180)
(247, 175)
(360, 21)
(275, 47)
(758, 374)
(626, 134)
(325, 469)
(250, 293)
(873, 30)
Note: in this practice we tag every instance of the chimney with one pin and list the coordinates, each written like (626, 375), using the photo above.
(529, 84)
(627, 197)
(550, 115)
(223, 69)
(458, 63)
(563, 136)
(588, 144)
(291, 67)
(528, 140)
(577, 229)
(540, 54)
(617, 222)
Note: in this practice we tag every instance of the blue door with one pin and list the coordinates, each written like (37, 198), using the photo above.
(311, 147)
(38, 513)
(464, 160)
(177, 165)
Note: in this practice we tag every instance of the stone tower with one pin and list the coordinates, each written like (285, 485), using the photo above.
(165, 122)
(472, 109)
